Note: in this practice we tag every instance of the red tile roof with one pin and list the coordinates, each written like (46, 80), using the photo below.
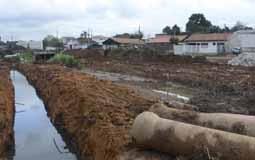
(208, 37)
(166, 38)
(128, 41)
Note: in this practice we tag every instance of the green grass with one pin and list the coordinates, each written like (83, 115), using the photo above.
(26, 57)
(65, 59)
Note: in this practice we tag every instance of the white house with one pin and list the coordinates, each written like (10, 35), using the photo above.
(77, 43)
(35, 45)
(22, 44)
(99, 39)
(245, 40)
(203, 44)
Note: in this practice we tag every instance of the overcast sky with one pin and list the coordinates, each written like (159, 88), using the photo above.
(34, 19)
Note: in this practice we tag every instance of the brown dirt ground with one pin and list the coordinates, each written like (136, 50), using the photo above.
(223, 88)
(6, 112)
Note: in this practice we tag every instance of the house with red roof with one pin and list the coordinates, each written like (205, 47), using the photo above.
(203, 44)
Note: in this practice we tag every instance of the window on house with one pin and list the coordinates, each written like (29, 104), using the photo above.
(204, 45)
(214, 43)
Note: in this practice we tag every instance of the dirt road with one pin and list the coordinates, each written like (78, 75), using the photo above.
(6, 113)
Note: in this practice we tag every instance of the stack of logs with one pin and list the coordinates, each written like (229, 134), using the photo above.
(184, 132)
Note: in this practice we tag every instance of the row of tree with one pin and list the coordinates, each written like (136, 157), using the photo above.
(199, 24)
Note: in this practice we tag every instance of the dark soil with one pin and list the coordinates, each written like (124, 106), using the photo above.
(223, 88)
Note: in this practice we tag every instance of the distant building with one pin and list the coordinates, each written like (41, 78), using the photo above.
(162, 43)
(99, 39)
(129, 43)
(3, 45)
(77, 43)
(245, 40)
(203, 44)
(34, 45)
(22, 44)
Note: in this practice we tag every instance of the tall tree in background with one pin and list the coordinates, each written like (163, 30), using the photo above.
(198, 24)
(167, 30)
(176, 30)
(51, 41)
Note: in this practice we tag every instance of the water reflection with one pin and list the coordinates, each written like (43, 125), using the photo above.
(34, 133)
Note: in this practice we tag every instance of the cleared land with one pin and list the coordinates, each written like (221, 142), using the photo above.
(214, 87)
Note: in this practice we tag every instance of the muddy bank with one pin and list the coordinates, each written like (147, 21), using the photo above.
(6, 113)
(97, 115)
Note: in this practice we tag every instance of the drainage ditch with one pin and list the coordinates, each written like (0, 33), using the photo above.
(35, 135)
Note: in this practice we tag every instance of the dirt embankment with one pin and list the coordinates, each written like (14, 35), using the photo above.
(6, 113)
(97, 115)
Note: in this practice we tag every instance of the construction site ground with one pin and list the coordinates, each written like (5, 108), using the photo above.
(211, 86)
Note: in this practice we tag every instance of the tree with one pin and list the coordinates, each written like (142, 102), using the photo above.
(198, 24)
(216, 29)
(51, 41)
(167, 30)
(138, 35)
(176, 30)
(240, 26)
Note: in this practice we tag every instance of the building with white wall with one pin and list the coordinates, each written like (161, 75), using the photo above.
(203, 44)
(34, 45)
(245, 40)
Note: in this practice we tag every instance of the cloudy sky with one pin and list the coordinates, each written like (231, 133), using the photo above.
(34, 19)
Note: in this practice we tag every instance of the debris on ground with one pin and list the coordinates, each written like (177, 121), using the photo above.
(6, 113)
(244, 59)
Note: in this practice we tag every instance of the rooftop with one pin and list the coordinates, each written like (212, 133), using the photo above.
(208, 37)
(166, 38)
(127, 40)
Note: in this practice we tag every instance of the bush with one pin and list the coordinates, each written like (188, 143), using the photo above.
(65, 59)
(26, 57)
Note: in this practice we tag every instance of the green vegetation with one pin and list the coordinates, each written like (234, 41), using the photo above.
(26, 57)
(65, 59)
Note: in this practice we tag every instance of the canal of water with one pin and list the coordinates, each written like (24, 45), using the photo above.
(35, 136)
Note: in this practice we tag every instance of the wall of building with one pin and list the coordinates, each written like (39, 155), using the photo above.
(200, 48)
(37, 45)
(246, 41)
(162, 48)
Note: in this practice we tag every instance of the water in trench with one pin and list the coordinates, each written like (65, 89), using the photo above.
(35, 136)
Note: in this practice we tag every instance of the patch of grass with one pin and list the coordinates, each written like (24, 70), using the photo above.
(66, 60)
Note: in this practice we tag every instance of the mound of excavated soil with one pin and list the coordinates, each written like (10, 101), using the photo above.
(96, 114)
(244, 59)
(6, 112)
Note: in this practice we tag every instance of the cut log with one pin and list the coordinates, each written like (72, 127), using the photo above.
(241, 124)
(177, 138)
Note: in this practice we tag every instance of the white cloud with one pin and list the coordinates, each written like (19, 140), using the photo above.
(33, 19)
